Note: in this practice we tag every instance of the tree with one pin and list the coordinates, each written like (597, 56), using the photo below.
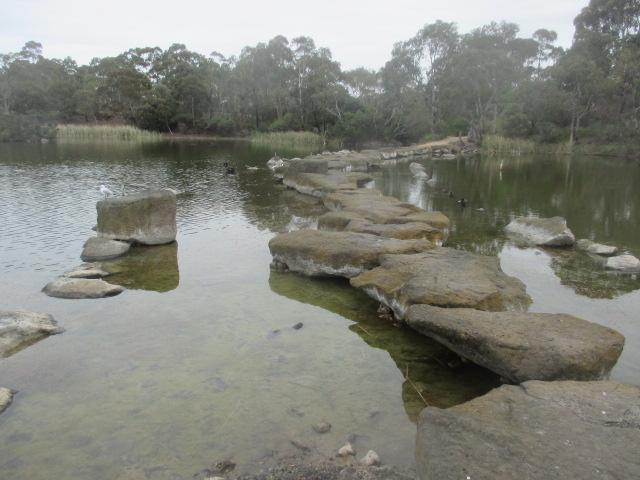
(431, 52)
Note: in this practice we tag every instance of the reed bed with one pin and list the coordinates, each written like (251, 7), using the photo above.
(104, 132)
(288, 138)
(498, 145)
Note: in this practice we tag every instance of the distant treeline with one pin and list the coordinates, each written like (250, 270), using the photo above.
(439, 82)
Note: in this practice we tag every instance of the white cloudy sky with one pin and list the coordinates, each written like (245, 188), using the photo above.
(358, 32)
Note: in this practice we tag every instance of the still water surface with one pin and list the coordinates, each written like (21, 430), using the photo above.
(198, 361)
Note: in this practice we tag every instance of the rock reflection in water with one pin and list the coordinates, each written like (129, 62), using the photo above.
(152, 268)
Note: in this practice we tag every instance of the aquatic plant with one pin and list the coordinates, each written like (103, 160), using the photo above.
(104, 132)
(288, 138)
(499, 145)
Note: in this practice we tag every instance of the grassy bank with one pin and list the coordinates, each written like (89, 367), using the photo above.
(604, 150)
(288, 138)
(104, 132)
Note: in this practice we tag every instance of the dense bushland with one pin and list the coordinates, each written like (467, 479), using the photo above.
(439, 82)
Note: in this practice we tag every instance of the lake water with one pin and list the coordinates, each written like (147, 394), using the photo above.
(198, 360)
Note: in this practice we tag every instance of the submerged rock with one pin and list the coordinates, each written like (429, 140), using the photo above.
(623, 263)
(19, 328)
(345, 254)
(370, 459)
(75, 288)
(442, 277)
(148, 217)
(523, 346)
(596, 248)
(545, 232)
(97, 249)
(538, 431)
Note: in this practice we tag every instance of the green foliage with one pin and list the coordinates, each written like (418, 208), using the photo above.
(288, 138)
(25, 128)
(439, 82)
(220, 127)
(102, 132)
(286, 123)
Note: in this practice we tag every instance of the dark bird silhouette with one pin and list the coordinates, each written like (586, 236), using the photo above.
(229, 170)
(462, 202)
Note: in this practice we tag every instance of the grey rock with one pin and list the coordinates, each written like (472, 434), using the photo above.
(523, 346)
(75, 288)
(371, 459)
(538, 431)
(321, 253)
(148, 218)
(623, 263)
(596, 248)
(353, 222)
(19, 328)
(546, 232)
(87, 270)
(98, 248)
(6, 397)
(321, 185)
(442, 277)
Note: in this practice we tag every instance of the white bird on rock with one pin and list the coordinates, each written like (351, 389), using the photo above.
(105, 191)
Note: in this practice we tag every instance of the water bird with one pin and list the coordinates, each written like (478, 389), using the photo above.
(463, 202)
(105, 191)
(229, 170)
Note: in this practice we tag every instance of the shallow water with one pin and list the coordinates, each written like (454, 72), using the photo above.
(599, 199)
(198, 360)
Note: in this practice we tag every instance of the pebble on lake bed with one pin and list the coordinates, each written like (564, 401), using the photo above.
(346, 450)
(322, 427)
(370, 459)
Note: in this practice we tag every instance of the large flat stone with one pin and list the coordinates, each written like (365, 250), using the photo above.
(345, 254)
(370, 204)
(320, 185)
(76, 288)
(535, 431)
(353, 222)
(443, 277)
(523, 346)
(19, 328)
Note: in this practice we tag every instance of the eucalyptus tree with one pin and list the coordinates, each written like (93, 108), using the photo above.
(583, 81)
(181, 71)
(318, 87)
(547, 51)
(266, 74)
(609, 32)
(430, 53)
(402, 99)
(492, 62)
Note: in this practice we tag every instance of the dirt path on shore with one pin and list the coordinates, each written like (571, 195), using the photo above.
(444, 141)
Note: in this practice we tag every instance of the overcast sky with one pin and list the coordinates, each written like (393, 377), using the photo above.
(359, 33)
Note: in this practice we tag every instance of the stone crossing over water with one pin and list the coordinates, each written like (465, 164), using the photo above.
(539, 429)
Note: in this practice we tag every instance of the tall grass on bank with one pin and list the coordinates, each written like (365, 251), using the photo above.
(599, 150)
(288, 138)
(104, 132)
(498, 145)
